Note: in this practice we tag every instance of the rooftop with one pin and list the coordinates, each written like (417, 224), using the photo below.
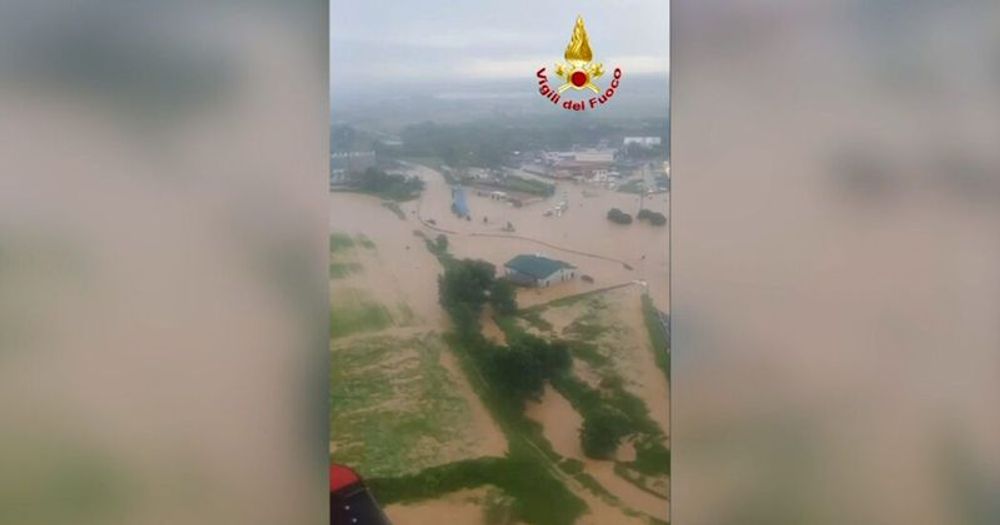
(536, 266)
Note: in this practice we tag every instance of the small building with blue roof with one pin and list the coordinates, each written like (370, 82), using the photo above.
(538, 271)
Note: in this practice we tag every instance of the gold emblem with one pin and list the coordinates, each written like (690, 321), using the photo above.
(579, 71)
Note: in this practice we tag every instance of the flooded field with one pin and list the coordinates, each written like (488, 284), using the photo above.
(612, 322)
(403, 401)
(466, 506)
(399, 403)
(609, 253)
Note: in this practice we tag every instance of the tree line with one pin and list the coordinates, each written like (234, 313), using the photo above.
(520, 369)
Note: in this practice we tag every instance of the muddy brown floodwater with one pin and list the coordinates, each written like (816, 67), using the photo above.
(582, 229)
(463, 507)
(400, 271)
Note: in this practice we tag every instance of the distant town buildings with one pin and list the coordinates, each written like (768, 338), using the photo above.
(344, 163)
(583, 163)
(643, 141)
(538, 271)
(585, 156)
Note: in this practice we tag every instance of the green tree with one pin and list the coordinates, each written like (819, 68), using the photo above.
(619, 217)
(503, 297)
(654, 217)
(518, 372)
(556, 358)
(602, 432)
(551, 357)
(466, 282)
(441, 243)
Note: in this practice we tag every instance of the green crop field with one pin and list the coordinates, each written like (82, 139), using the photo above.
(396, 410)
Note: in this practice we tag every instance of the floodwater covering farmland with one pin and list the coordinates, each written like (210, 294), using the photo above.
(416, 410)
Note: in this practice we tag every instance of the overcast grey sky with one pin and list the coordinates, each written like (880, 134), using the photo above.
(401, 41)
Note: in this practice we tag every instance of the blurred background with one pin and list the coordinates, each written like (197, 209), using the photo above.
(835, 262)
(163, 311)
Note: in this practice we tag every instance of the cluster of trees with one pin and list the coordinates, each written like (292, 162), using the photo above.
(467, 286)
(389, 186)
(619, 217)
(603, 431)
(654, 217)
(519, 370)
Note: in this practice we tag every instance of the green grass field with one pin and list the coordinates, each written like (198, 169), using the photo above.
(394, 409)
(352, 312)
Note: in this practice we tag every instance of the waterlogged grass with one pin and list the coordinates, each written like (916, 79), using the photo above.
(592, 323)
(657, 334)
(343, 254)
(394, 410)
(365, 242)
(535, 319)
(585, 330)
(351, 312)
(589, 353)
(339, 270)
(340, 242)
(536, 497)
(570, 300)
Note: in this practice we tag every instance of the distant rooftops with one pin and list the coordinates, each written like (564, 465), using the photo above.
(536, 266)
(586, 156)
(644, 141)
